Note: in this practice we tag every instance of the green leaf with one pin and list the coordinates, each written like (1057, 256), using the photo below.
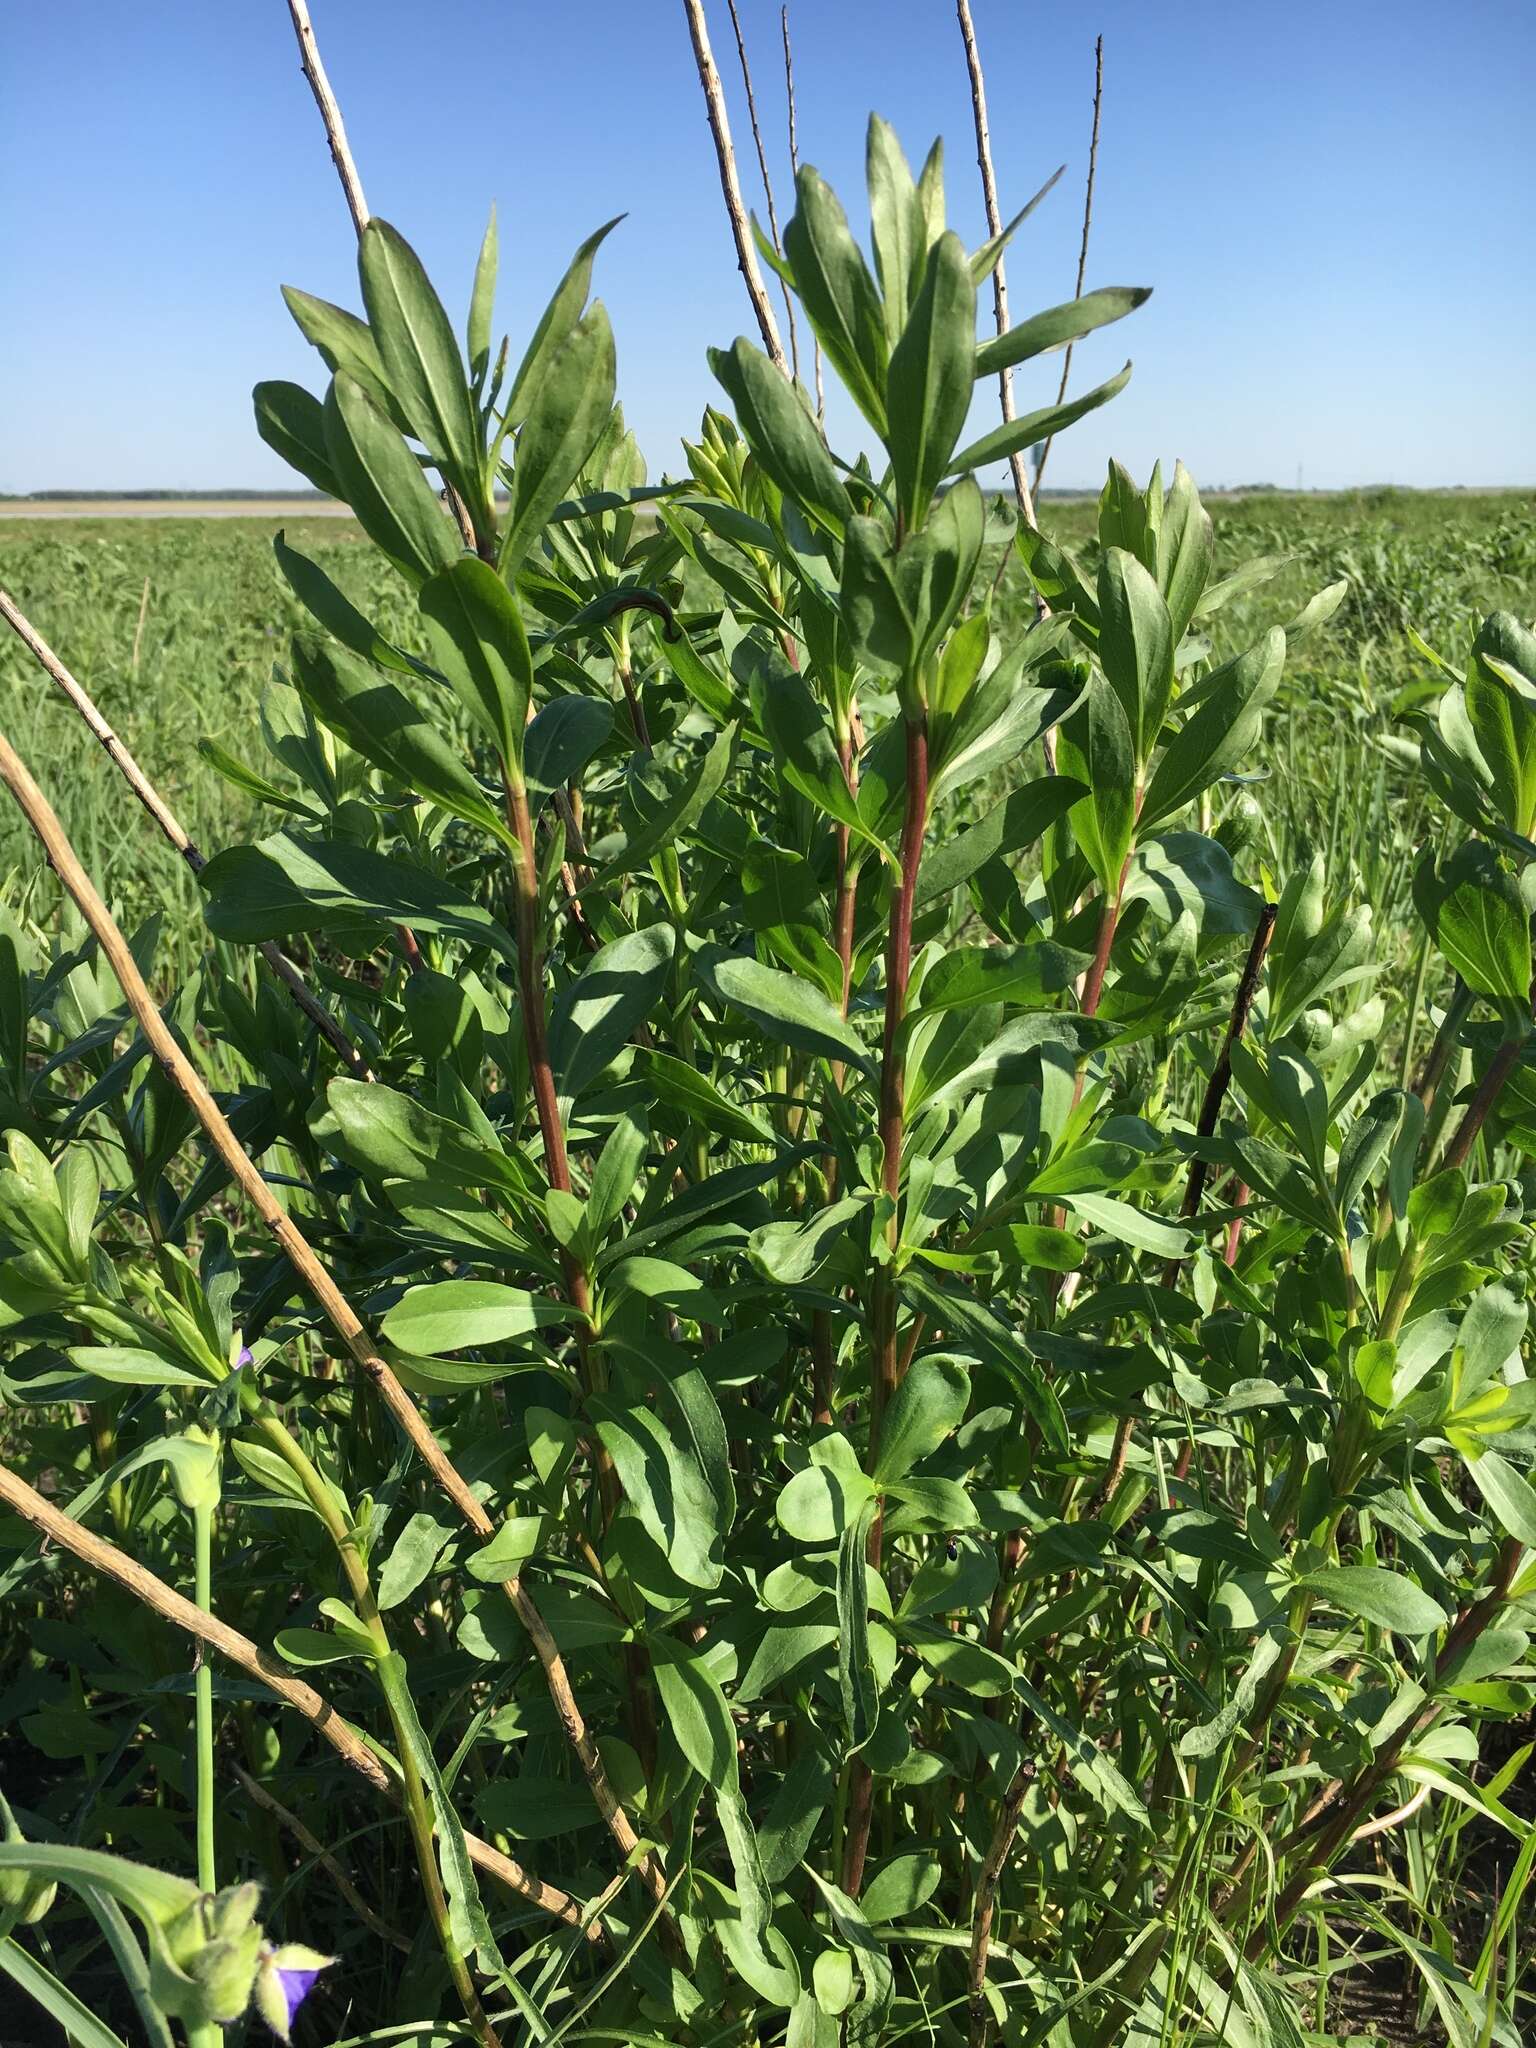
(901, 1887)
(783, 437)
(443, 1316)
(562, 739)
(1035, 426)
(567, 412)
(421, 358)
(618, 1167)
(1132, 1226)
(665, 1485)
(482, 302)
(805, 753)
(334, 610)
(999, 974)
(392, 1137)
(793, 1252)
(705, 1733)
(77, 2023)
(596, 1014)
(131, 1367)
(683, 1088)
(1087, 1762)
(1096, 747)
(471, 1930)
(783, 1006)
(1135, 645)
(376, 718)
(291, 421)
(1184, 550)
(896, 222)
(855, 1673)
(1509, 1493)
(285, 885)
(411, 1558)
(926, 1407)
(1482, 925)
(1018, 821)
(381, 480)
(840, 297)
(932, 371)
(345, 344)
(1059, 327)
(660, 806)
(898, 603)
(1371, 1593)
(555, 324)
(1217, 735)
(479, 643)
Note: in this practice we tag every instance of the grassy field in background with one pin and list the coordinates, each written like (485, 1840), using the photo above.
(173, 625)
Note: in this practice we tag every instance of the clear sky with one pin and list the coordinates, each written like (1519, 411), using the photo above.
(1332, 199)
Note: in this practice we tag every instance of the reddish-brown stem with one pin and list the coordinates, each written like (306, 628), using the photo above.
(823, 1356)
(1093, 981)
(884, 1361)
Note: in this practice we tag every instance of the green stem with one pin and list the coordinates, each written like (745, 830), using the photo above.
(202, 1539)
(418, 1811)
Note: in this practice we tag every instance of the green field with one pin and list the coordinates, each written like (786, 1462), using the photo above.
(173, 626)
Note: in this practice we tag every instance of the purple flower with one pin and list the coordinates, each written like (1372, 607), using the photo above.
(247, 1357)
(285, 1980)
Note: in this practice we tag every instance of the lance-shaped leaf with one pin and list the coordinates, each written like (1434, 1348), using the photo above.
(482, 302)
(1385, 1599)
(567, 412)
(480, 645)
(1219, 732)
(1016, 822)
(701, 1724)
(783, 437)
(334, 610)
(594, 1015)
(783, 1006)
(345, 343)
(286, 885)
(376, 718)
(1059, 327)
(1509, 1493)
(1184, 550)
(840, 297)
(898, 603)
(555, 324)
(897, 227)
(291, 421)
(562, 739)
(855, 1673)
(797, 729)
(931, 377)
(1013, 435)
(421, 357)
(1095, 746)
(1135, 645)
(381, 480)
(665, 1485)
(660, 805)
(443, 1316)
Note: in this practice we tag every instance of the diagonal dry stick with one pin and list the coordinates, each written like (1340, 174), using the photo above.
(338, 1311)
(101, 1556)
(762, 165)
(730, 184)
(1021, 490)
(170, 825)
(794, 171)
(330, 114)
(1082, 253)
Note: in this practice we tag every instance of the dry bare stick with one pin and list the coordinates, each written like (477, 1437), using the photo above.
(730, 184)
(311, 1844)
(1021, 490)
(794, 168)
(170, 826)
(335, 1306)
(1082, 252)
(762, 165)
(101, 1556)
(330, 114)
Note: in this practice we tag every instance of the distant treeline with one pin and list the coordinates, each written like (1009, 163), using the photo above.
(147, 497)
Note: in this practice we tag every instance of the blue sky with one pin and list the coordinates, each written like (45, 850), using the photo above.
(1332, 201)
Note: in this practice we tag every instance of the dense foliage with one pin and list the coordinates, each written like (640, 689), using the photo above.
(930, 1441)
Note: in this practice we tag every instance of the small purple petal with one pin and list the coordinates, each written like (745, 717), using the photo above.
(247, 1357)
(297, 1984)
